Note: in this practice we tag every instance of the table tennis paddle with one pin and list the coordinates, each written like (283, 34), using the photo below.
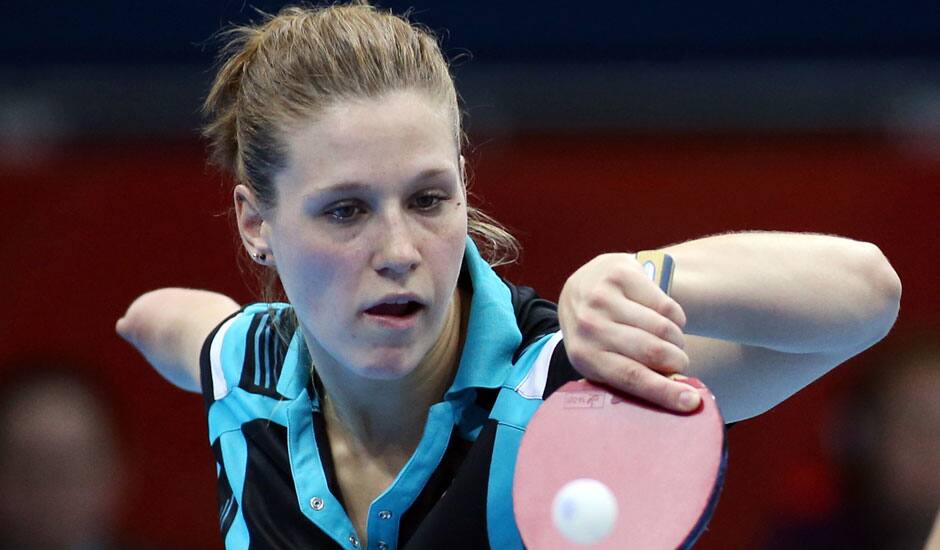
(601, 469)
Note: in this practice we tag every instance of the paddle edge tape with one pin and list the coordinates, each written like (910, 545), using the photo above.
(659, 267)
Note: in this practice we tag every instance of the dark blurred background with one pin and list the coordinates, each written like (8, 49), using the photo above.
(595, 127)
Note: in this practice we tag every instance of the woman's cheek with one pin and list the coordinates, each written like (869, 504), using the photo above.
(307, 280)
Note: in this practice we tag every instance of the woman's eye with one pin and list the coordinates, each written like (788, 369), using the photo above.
(343, 212)
(427, 202)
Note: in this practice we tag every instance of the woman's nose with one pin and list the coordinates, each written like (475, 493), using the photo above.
(396, 252)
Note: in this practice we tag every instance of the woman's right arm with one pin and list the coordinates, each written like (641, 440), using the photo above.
(168, 327)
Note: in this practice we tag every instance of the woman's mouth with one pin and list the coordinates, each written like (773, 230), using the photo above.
(396, 314)
(395, 310)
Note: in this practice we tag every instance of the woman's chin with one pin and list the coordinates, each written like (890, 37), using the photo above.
(386, 371)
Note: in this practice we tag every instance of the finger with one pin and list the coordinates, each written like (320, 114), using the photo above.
(629, 313)
(667, 306)
(631, 342)
(634, 285)
(635, 379)
(671, 309)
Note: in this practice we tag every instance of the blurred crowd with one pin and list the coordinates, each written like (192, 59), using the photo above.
(884, 441)
(62, 466)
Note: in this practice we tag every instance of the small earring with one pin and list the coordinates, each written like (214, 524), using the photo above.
(258, 257)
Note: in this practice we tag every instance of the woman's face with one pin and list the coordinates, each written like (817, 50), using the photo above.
(368, 232)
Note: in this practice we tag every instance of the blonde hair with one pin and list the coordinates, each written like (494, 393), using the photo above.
(295, 64)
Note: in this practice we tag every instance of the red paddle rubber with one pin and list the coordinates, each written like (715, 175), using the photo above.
(664, 468)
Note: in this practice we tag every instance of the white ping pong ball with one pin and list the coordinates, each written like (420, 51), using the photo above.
(584, 511)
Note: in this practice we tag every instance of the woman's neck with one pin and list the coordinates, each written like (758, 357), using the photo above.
(384, 416)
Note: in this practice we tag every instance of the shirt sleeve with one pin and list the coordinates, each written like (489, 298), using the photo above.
(235, 352)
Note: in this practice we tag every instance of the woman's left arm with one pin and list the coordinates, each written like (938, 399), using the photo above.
(768, 313)
(764, 313)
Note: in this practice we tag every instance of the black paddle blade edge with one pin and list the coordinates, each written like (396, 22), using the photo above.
(702, 525)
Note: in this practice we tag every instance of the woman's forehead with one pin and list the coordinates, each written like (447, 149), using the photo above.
(396, 135)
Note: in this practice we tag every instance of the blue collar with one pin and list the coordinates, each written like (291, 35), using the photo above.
(492, 331)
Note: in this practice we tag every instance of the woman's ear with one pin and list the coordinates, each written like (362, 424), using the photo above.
(252, 227)
(463, 175)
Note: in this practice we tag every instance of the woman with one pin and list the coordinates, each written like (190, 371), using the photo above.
(362, 412)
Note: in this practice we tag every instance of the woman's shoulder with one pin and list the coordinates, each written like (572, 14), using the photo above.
(535, 316)
(248, 350)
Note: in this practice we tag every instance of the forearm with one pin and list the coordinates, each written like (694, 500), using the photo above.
(796, 293)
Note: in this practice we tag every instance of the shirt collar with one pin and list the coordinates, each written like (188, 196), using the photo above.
(492, 332)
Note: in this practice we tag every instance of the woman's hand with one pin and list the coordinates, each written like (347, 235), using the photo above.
(622, 330)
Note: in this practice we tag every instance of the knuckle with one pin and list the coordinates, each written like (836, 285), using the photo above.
(588, 324)
(595, 299)
(673, 309)
(663, 305)
(662, 328)
(655, 354)
(619, 274)
(630, 378)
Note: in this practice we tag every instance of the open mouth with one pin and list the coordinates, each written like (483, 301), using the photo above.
(395, 310)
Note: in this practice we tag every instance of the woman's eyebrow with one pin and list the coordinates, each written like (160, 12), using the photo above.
(432, 173)
(356, 187)
(346, 187)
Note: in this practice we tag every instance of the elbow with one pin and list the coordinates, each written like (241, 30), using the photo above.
(883, 290)
(140, 323)
(129, 326)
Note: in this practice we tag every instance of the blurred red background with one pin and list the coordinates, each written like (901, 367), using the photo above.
(89, 226)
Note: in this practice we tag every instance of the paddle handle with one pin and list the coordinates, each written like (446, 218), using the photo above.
(658, 266)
